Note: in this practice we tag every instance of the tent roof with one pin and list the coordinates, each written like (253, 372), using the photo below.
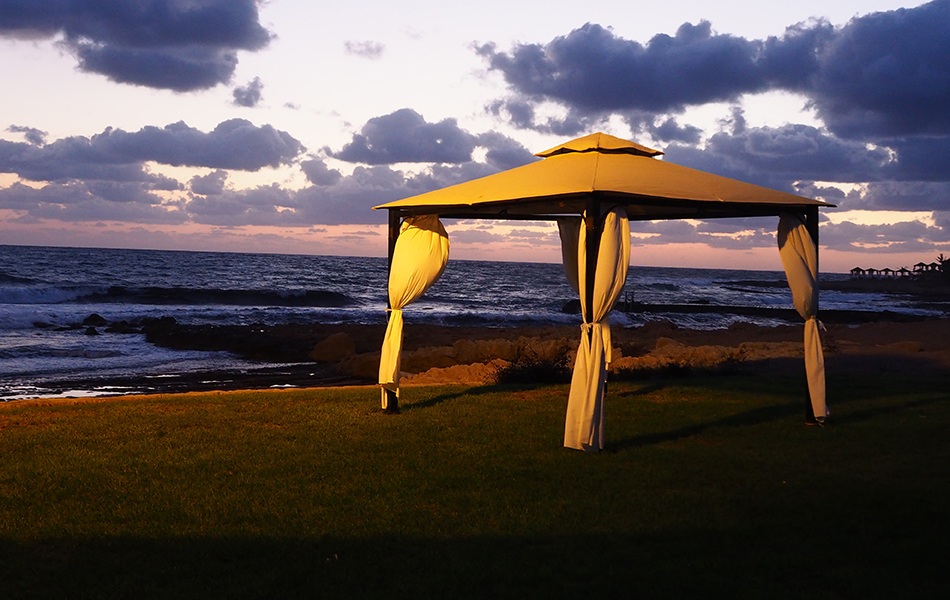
(607, 168)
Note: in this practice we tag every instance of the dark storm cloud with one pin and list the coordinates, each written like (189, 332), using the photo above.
(776, 156)
(232, 144)
(880, 83)
(250, 94)
(210, 184)
(349, 199)
(887, 74)
(90, 201)
(180, 45)
(669, 130)
(906, 195)
(264, 205)
(909, 236)
(595, 71)
(67, 159)
(883, 74)
(922, 158)
(118, 155)
(318, 173)
(503, 152)
(86, 176)
(405, 136)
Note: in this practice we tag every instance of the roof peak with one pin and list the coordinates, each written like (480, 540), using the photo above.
(600, 142)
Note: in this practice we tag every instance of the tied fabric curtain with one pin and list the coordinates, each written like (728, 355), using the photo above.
(419, 258)
(800, 259)
(584, 424)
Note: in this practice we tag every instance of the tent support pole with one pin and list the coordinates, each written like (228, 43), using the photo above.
(811, 224)
(595, 229)
(392, 400)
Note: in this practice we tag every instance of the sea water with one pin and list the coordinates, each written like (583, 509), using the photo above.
(46, 292)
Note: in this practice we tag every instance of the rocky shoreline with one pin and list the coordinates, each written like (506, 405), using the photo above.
(318, 355)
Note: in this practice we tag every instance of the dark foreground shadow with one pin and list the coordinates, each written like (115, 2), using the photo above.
(677, 564)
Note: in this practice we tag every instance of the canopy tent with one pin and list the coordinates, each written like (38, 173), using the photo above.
(608, 181)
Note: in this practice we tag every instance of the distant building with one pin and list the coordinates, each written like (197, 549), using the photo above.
(919, 269)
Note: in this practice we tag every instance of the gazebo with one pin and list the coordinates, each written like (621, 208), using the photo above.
(593, 186)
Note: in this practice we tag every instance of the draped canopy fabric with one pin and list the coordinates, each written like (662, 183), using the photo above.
(419, 258)
(800, 259)
(584, 423)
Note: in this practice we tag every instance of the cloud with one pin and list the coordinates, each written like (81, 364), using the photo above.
(318, 173)
(91, 201)
(351, 198)
(669, 130)
(248, 95)
(263, 205)
(778, 156)
(913, 195)
(232, 144)
(907, 236)
(84, 175)
(865, 79)
(208, 185)
(105, 177)
(365, 49)
(879, 75)
(34, 136)
(502, 152)
(593, 70)
(405, 136)
(71, 158)
(169, 44)
(119, 155)
(886, 74)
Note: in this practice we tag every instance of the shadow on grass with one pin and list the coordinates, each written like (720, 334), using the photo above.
(613, 565)
(448, 397)
(870, 414)
(842, 393)
(749, 418)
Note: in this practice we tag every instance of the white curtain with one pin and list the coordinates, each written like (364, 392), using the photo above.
(419, 258)
(800, 259)
(584, 424)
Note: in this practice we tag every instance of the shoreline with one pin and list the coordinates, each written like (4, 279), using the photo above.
(347, 355)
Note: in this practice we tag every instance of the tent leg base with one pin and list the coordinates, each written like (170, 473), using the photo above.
(392, 403)
(810, 418)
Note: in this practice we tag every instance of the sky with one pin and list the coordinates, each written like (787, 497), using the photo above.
(276, 126)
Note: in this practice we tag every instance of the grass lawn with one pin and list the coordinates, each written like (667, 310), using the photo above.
(711, 486)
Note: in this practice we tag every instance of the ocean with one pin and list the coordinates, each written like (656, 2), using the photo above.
(46, 293)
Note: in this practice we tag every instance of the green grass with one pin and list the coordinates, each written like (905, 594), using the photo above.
(710, 487)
